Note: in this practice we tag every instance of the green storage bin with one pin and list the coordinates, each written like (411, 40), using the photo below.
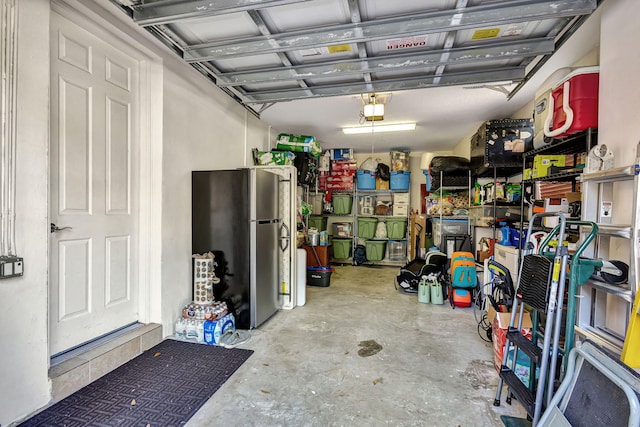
(342, 204)
(367, 227)
(318, 222)
(396, 228)
(375, 249)
(341, 248)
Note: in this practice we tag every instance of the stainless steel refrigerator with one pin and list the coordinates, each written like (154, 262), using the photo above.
(236, 212)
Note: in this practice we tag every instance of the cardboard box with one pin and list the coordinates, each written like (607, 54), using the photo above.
(400, 210)
(342, 154)
(344, 165)
(418, 222)
(400, 198)
(574, 196)
(482, 255)
(541, 164)
(500, 325)
(382, 184)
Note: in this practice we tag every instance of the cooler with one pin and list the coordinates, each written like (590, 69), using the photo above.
(541, 105)
(573, 103)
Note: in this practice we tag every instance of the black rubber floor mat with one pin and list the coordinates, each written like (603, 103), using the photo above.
(164, 386)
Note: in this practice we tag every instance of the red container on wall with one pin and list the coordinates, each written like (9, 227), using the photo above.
(573, 103)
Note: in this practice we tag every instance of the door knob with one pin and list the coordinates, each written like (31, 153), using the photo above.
(55, 228)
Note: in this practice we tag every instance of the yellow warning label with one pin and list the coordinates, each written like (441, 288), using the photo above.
(487, 33)
(339, 48)
(557, 267)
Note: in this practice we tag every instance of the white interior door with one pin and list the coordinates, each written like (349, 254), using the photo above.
(94, 188)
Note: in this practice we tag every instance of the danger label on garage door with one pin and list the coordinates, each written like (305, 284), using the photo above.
(406, 42)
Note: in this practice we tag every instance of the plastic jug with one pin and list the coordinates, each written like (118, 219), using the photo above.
(423, 290)
(505, 235)
(436, 292)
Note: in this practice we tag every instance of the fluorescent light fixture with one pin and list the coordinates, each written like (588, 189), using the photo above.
(379, 128)
(374, 112)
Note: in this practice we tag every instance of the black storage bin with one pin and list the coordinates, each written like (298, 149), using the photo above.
(455, 171)
(500, 143)
(319, 276)
(448, 165)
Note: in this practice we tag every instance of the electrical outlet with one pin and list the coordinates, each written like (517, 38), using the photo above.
(11, 266)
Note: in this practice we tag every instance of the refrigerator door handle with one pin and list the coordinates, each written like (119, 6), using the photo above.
(284, 237)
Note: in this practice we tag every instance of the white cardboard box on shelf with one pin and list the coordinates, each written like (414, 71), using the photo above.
(400, 210)
(401, 198)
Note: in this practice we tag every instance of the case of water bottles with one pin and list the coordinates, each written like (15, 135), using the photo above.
(204, 324)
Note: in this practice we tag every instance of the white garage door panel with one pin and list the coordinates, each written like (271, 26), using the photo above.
(74, 278)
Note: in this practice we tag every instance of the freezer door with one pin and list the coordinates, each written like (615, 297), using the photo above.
(264, 277)
(264, 194)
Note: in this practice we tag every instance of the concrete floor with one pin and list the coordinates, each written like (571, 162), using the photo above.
(432, 369)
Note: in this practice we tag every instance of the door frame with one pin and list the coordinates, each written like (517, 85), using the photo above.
(90, 17)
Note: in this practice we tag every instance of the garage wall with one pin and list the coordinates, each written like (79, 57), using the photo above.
(203, 130)
(24, 354)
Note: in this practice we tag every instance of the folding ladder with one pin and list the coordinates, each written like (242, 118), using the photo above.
(541, 285)
(598, 300)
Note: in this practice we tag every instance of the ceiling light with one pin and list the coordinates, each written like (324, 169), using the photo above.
(379, 128)
(373, 112)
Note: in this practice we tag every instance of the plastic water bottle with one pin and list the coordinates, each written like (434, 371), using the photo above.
(423, 290)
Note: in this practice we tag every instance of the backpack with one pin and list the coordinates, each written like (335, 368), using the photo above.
(360, 255)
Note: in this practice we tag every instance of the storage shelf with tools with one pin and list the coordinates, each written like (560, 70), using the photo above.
(553, 169)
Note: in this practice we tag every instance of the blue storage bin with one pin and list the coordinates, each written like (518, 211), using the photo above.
(366, 180)
(400, 180)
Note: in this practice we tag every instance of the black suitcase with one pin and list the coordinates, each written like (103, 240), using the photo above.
(500, 143)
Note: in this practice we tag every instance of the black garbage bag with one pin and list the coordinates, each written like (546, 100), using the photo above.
(382, 172)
